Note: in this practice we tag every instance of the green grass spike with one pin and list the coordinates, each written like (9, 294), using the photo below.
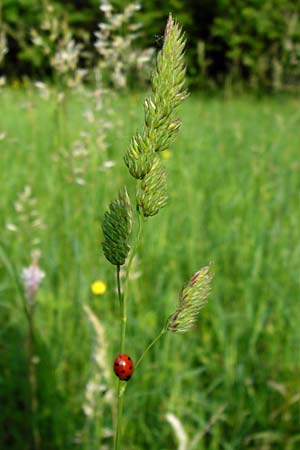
(152, 192)
(192, 299)
(168, 91)
(116, 227)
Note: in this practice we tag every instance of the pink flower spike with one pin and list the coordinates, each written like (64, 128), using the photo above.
(32, 277)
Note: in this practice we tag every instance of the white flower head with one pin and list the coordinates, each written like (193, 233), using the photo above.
(107, 165)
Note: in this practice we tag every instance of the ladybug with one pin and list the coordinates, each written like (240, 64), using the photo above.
(123, 367)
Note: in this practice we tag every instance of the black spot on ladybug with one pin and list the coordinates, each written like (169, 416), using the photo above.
(116, 363)
(123, 371)
(130, 368)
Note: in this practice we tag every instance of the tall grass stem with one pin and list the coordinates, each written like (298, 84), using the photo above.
(122, 344)
(152, 343)
(33, 380)
(123, 319)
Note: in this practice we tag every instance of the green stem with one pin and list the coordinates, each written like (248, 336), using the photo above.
(152, 343)
(123, 320)
(163, 331)
(30, 344)
(117, 444)
(33, 381)
(123, 311)
(133, 252)
(122, 344)
(13, 272)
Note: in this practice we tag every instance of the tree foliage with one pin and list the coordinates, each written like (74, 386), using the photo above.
(253, 40)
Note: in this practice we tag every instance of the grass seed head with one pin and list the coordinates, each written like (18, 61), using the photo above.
(193, 297)
(116, 227)
(168, 91)
(152, 192)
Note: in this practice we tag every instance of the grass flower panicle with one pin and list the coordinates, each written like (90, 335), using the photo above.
(179, 431)
(43, 89)
(75, 160)
(102, 376)
(116, 229)
(144, 163)
(152, 192)
(55, 42)
(99, 395)
(120, 58)
(168, 91)
(27, 223)
(192, 299)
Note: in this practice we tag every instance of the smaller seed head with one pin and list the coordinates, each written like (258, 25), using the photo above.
(192, 299)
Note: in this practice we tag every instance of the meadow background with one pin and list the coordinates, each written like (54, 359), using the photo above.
(234, 201)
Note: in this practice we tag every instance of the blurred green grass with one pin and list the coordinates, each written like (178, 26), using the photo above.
(234, 201)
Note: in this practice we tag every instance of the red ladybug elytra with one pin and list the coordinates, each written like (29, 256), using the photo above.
(123, 367)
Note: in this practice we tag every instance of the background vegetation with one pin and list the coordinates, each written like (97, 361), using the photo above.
(234, 187)
(235, 380)
(254, 41)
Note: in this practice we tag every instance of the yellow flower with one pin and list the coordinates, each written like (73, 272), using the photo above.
(166, 154)
(98, 287)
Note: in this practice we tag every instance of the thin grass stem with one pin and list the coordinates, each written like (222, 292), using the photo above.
(152, 343)
(122, 344)
(117, 444)
(123, 319)
(29, 314)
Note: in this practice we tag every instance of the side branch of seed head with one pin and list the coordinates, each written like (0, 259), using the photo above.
(192, 299)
